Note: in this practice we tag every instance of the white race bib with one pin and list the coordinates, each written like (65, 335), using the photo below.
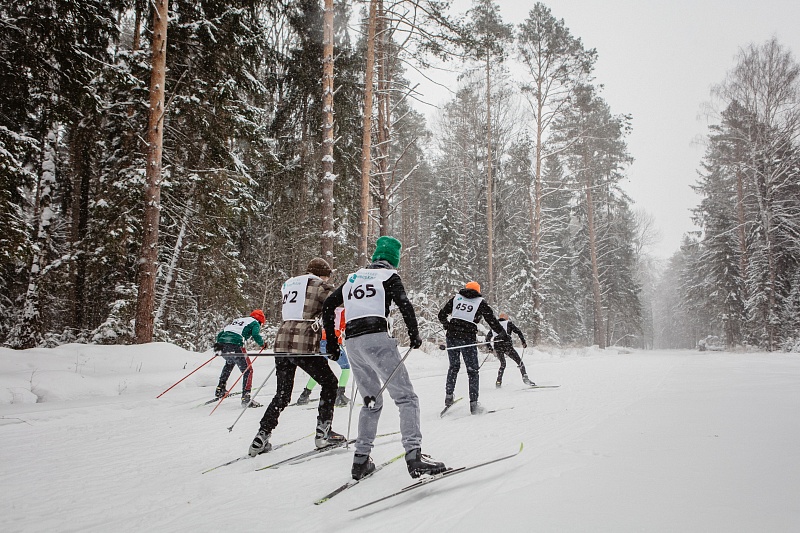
(238, 325)
(465, 308)
(504, 325)
(364, 294)
(294, 297)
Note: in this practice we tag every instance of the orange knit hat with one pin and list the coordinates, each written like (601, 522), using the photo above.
(473, 285)
(258, 314)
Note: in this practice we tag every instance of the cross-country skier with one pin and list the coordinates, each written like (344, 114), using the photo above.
(506, 348)
(344, 364)
(465, 310)
(303, 297)
(231, 340)
(367, 295)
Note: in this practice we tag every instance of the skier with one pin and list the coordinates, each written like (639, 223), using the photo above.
(303, 297)
(465, 310)
(231, 340)
(367, 295)
(344, 364)
(503, 349)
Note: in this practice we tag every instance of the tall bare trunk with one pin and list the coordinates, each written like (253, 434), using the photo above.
(329, 177)
(366, 144)
(536, 223)
(148, 257)
(599, 333)
(489, 195)
(137, 25)
(381, 53)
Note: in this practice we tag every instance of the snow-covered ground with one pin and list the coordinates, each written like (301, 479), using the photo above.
(640, 441)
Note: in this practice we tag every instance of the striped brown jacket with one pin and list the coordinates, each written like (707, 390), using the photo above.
(295, 336)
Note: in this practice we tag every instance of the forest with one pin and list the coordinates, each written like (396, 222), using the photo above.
(166, 165)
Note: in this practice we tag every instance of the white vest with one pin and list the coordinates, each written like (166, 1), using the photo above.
(504, 325)
(238, 325)
(465, 308)
(294, 297)
(364, 294)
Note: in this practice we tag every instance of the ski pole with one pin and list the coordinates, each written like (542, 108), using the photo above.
(353, 392)
(485, 359)
(254, 395)
(275, 355)
(444, 347)
(186, 376)
(369, 400)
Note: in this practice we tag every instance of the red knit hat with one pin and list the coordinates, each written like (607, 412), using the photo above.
(473, 285)
(258, 314)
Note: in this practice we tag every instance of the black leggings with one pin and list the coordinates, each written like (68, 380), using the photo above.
(317, 368)
(244, 364)
(501, 352)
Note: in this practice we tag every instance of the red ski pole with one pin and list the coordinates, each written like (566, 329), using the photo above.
(186, 376)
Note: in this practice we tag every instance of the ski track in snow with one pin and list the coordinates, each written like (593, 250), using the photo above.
(640, 441)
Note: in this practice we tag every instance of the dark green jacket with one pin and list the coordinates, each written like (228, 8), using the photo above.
(249, 328)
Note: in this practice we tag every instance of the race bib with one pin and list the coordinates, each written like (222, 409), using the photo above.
(504, 325)
(238, 325)
(294, 297)
(364, 294)
(465, 308)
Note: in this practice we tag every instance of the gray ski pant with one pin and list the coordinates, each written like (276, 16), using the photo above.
(373, 357)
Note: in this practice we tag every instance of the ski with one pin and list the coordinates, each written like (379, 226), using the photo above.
(487, 412)
(316, 451)
(312, 400)
(543, 386)
(276, 447)
(449, 406)
(212, 400)
(430, 479)
(354, 482)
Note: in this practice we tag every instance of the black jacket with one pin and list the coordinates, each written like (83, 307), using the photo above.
(512, 328)
(371, 324)
(464, 330)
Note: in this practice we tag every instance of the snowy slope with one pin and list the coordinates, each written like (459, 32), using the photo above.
(642, 441)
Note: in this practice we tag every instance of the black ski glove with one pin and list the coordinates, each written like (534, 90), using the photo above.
(333, 351)
(524, 345)
(416, 342)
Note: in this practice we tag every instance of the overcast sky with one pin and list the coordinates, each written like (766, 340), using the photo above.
(658, 61)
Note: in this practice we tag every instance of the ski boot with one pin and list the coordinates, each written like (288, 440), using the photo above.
(526, 380)
(247, 402)
(303, 398)
(325, 436)
(418, 464)
(362, 466)
(448, 400)
(260, 443)
(220, 392)
(476, 409)
(341, 399)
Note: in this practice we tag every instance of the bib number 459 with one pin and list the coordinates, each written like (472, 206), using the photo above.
(361, 291)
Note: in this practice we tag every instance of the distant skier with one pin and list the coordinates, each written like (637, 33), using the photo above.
(344, 364)
(231, 340)
(299, 334)
(506, 348)
(367, 295)
(465, 310)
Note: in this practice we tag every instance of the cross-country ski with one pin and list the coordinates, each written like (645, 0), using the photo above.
(437, 477)
(354, 482)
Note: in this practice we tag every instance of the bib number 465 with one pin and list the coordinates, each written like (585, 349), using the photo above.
(361, 291)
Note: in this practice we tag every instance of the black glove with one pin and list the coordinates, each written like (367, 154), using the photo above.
(333, 350)
(524, 345)
(416, 342)
(489, 348)
(446, 326)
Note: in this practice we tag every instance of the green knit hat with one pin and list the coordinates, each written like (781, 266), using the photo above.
(388, 248)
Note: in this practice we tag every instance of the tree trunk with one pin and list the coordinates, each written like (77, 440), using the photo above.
(148, 257)
(366, 144)
(328, 179)
(536, 222)
(489, 196)
(381, 51)
(599, 334)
